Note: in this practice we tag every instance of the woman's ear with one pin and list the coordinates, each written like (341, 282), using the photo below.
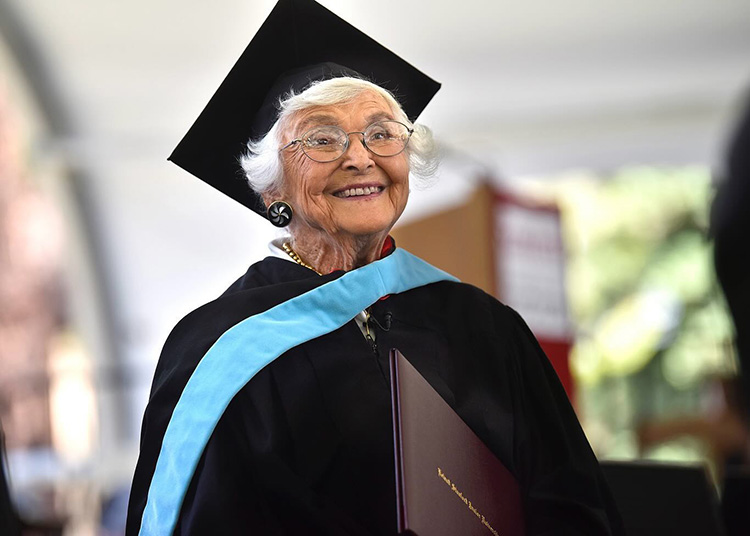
(272, 195)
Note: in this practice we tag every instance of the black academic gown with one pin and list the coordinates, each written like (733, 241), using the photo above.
(306, 446)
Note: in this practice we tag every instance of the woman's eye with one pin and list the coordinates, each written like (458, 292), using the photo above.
(320, 141)
(378, 134)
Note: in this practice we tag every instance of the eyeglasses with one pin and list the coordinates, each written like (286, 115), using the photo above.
(326, 143)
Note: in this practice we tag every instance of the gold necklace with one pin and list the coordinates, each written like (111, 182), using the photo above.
(296, 258)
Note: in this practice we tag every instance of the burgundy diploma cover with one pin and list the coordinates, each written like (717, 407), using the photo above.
(448, 483)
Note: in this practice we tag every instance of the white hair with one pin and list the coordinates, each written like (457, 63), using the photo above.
(262, 160)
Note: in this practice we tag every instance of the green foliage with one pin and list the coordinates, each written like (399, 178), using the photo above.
(651, 324)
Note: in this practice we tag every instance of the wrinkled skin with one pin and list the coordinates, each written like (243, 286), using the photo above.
(330, 231)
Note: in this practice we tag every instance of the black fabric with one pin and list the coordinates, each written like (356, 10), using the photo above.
(306, 447)
(730, 226)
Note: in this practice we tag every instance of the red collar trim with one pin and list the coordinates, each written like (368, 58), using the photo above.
(389, 246)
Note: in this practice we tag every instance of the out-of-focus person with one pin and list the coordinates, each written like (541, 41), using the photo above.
(730, 227)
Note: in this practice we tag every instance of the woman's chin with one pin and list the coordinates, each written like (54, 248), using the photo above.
(362, 226)
(366, 220)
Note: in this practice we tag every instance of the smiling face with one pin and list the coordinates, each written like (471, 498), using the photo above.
(358, 195)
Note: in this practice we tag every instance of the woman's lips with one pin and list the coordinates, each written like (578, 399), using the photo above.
(359, 191)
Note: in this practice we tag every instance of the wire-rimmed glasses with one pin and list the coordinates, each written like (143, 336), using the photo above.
(326, 143)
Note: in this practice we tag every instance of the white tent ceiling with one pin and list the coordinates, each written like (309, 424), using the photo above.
(137, 73)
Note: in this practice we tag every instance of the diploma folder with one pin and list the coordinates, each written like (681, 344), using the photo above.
(448, 483)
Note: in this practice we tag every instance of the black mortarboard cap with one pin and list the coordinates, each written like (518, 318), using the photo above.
(299, 43)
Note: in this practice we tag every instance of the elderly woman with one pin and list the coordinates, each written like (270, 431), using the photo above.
(270, 411)
(342, 151)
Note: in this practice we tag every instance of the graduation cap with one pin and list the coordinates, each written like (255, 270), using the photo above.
(299, 43)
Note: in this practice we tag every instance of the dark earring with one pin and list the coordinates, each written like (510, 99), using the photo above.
(280, 213)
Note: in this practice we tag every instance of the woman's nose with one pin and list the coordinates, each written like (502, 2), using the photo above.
(357, 155)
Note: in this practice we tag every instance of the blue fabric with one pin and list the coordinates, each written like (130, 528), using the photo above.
(249, 346)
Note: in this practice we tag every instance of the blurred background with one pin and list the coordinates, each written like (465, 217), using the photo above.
(583, 142)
